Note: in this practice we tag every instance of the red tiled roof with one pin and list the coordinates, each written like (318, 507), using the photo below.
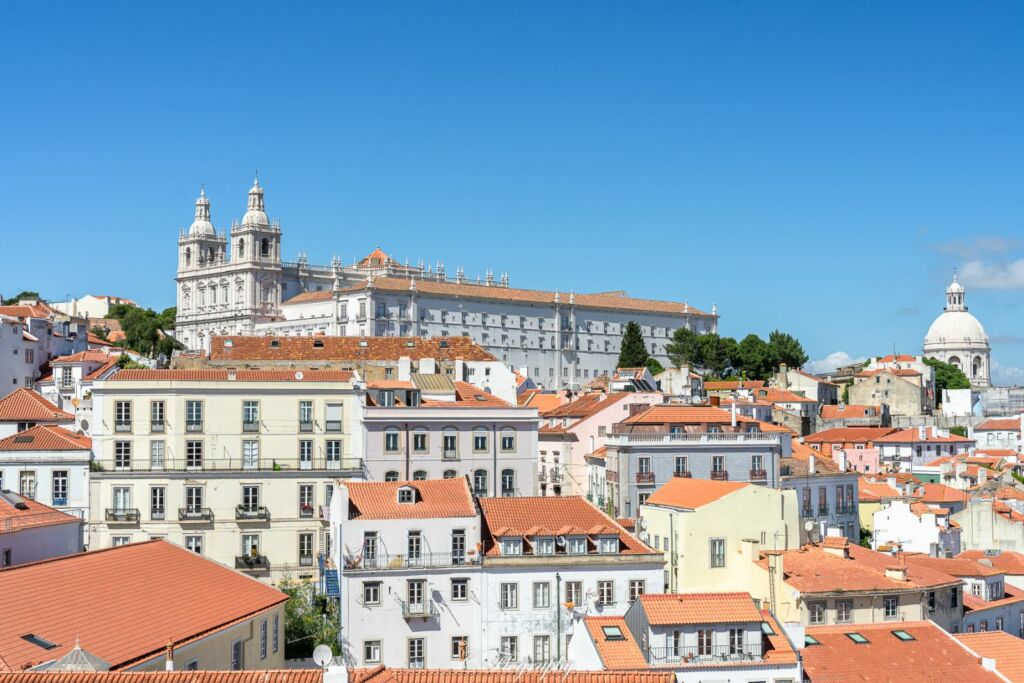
(799, 463)
(1005, 649)
(953, 566)
(912, 436)
(932, 655)
(1012, 595)
(586, 405)
(96, 340)
(89, 356)
(435, 498)
(35, 514)
(733, 385)
(619, 653)
(240, 376)
(783, 396)
(25, 405)
(849, 435)
(123, 604)
(690, 494)
(180, 676)
(668, 609)
(834, 412)
(542, 401)
(381, 674)
(902, 358)
(563, 515)
(1006, 561)
(875, 491)
(999, 424)
(663, 414)
(940, 493)
(323, 348)
(39, 310)
(46, 438)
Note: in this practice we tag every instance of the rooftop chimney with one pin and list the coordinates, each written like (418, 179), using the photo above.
(811, 465)
(733, 413)
(169, 658)
(896, 573)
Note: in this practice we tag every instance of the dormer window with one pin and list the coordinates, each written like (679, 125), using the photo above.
(414, 399)
(386, 399)
(544, 546)
(609, 545)
(576, 545)
(406, 494)
(511, 546)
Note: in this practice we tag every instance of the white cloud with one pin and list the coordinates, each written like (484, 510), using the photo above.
(1003, 375)
(993, 275)
(832, 361)
(978, 245)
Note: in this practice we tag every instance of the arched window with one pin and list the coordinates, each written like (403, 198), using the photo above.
(450, 474)
(508, 482)
(976, 367)
(419, 475)
(480, 482)
(508, 440)
(391, 476)
(480, 440)
(188, 256)
(186, 298)
(955, 362)
(213, 294)
(264, 247)
(241, 248)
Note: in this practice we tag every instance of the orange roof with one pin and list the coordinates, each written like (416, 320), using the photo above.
(46, 438)
(875, 491)
(18, 513)
(617, 653)
(783, 396)
(834, 412)
(1006, 561)
(940, 493)
(123, 604)
(562, 515)
(668, 609)
(542, 401)
(180, 676)
(690, 494)
(435, 498)
(663, 414)
(39, 310)
(1005, 649)
(912, 436)
(90, 356)
(953, 566)
(902, 358)
(999, 424)
(380, 674)
(849, 435)
(799, 463)
(25, 405)
(586, 405)
(240, 376)
(1011, 595)
(930, 656)
(734, 384)
(377, 257)
(96, 340)
(323, 348)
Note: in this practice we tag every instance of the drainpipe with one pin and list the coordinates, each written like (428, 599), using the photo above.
(558, 617)
(494, 456)
(408, 464)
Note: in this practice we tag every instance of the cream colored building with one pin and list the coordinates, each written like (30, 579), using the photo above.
(709, 530)
(236, 465)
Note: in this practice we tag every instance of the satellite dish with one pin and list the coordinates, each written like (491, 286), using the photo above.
(322, 655)
(808, 525)
(298, 376)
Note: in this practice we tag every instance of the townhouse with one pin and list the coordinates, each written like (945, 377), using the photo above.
(906, 449)
(915, 527)
(649, 448)
(827, 494)
(854, 445)
(430, 427)
(235, 465)
(823, 391)
(69, 384)
(135, 607)
(1009, 562)
(903, 391)
(31, 531)
(24, 408)
(999, 433)
(48, 464)
(31, 335)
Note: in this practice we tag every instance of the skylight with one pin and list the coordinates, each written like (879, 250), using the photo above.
(612, 633)
(857, 638)
(903, 635)
(767, 629)
(810, 640)
(39, 641)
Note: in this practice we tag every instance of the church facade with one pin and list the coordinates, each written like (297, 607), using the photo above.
(562, 339)
(958, 338)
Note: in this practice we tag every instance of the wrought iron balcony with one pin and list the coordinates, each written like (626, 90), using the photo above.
(697, 654)
(195, 514)
(252, 513)
(122, 515)
(687, 474)
(645, 477)
(720, 475)
(252, 563)
(758, 475)
(422, 561)
(421, 610)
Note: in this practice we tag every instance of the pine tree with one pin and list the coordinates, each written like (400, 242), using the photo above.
(633, 353)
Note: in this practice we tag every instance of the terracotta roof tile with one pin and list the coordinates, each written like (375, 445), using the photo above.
(733, 385)
(875, 491)
(618, 653)
(46, 438)
(223, 376)
(324, 348)
(849, 435)
(931, 655)
(181, 676)
(34, 514)
(25, 405)
(1006, 561)
(1005, 649)
(435, 498)
(835, 412)
(912, 436)
(669, 609)
(96, 340)
(123, 604)
(952, 566)
(381, 674)
(676, 414)
(940, 493)
(690, 494)
(782, 396)
(543, 401)
(999, 424)
(39, 310)
(89, 356)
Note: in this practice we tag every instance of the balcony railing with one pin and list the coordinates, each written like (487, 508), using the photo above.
(683, 473)
(823, 509)
(305, 426)
(846, 510)
(305, 510)
(305, 560)
(421, 610)
(758, 475)
(252, 563)
(157, 426)
(421, 561)
(645, 477)
(612, 476)
(250, 426)
(696, 654)
(195, 514)
(193, 426)
(219, 464)
(252, 513)
(720, 475)
(669, 438)
(122, 515)
(122, 426)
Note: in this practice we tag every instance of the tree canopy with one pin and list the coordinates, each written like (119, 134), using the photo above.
(309, 620)
(947, 377)
(633, 352)
(142, 326)
(752, 357)
(18, 297)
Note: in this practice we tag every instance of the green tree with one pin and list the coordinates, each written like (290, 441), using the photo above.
(865, 537)
(754, 357)
(100, 332)
(633, 353)
(959, 430)
(718, 353)
(786, 349)
(18, 297)
(309, 620)
(125, 362)
(947, 377)
(846, 393)
(684, 348)
(142, 329)
(654, 366)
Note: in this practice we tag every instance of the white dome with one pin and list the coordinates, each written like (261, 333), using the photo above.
(202, 225)
(955, 329)
(255, 217)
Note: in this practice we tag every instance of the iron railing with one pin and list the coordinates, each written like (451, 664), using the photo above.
(698, 654)
(421, 561)
(195, 514)
(122, 515)
(252, 513)
(252, 563)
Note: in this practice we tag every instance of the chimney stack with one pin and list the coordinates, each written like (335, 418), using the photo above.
(169, 658)
(811, 465)
(896, 573)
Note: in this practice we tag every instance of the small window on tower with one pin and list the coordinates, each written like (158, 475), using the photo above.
(241, 248)
(265, 247)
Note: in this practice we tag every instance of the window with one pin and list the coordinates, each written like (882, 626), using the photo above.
(263, 639)
(193, 498)
(844, 611)
(305, 500)
(250, 545)
(60, 488)
(717, 552)
(419, 475)
(391, 441)
(460, 647)
(541, 595)
(509, 593)
(250, 416)
(931, 601)
(193, 416)
(333, 450)
(275, 636)
(156, 416)
(857, 638)
(816, 612)
(449, 443)
(954, 598)
(890, 606)
(508, 440)
(156, 502)
(419, 441)
(236, 655)
(541, 649)
(391, 476)
(371, 592)
(371, 652)
(577, 545)
(718, 463)
(735, 641)
(122, 416)
(332, 422)
(195, 544)
(414, 546)
(903, 635)
(370, 548)
(27, 484)
(574, 592)
(156, 455)
(609, 546)
(479, 440)
(250, 498)
(305, 549)
(757, 463)
(305, 416)
(194, 454)
(704, 641)
(417, 653)
(118, 541)
(682, 465)
(510, 648)
(305, 454)
(637, 587)
(508, 482)
(450, 474)
(480, 482)
(250, 455)
(544, 546)
(122, 455)
(460, 589)
(605, 592)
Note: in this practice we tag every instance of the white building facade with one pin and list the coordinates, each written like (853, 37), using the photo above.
(958, 338)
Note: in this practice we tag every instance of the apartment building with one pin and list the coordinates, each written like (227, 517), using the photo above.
(48, 464)
(31, 531)
(908, 448)
(989, 603)
(827, 494)
(24, 408)
(69, 384)
(430, 427)
(651, 447)
(235, 465)
(32, 334)
(915, 527)
(999, 433)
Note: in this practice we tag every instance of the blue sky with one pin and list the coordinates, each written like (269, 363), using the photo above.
(816, 167)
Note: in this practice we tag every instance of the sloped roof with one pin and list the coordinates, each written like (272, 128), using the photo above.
(18, 513)
(381, 674)
(689, 494)
(799, 463)
(849, 435)
(240, 376)
(663, 414)
(89, 356)
(618, 653)
(733, 385)
(25, 405)
(912, 435)
(669, 609)
(324, 348)
(940, 493)
(953, 566)
(999, 424)
(875, 491)
(123, 604)
(435, 498)
(848, 411)
(46, 438)
(1005, 649)
(180, 676)
(1007, 561)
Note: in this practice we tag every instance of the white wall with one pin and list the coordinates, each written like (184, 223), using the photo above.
(43, 542)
